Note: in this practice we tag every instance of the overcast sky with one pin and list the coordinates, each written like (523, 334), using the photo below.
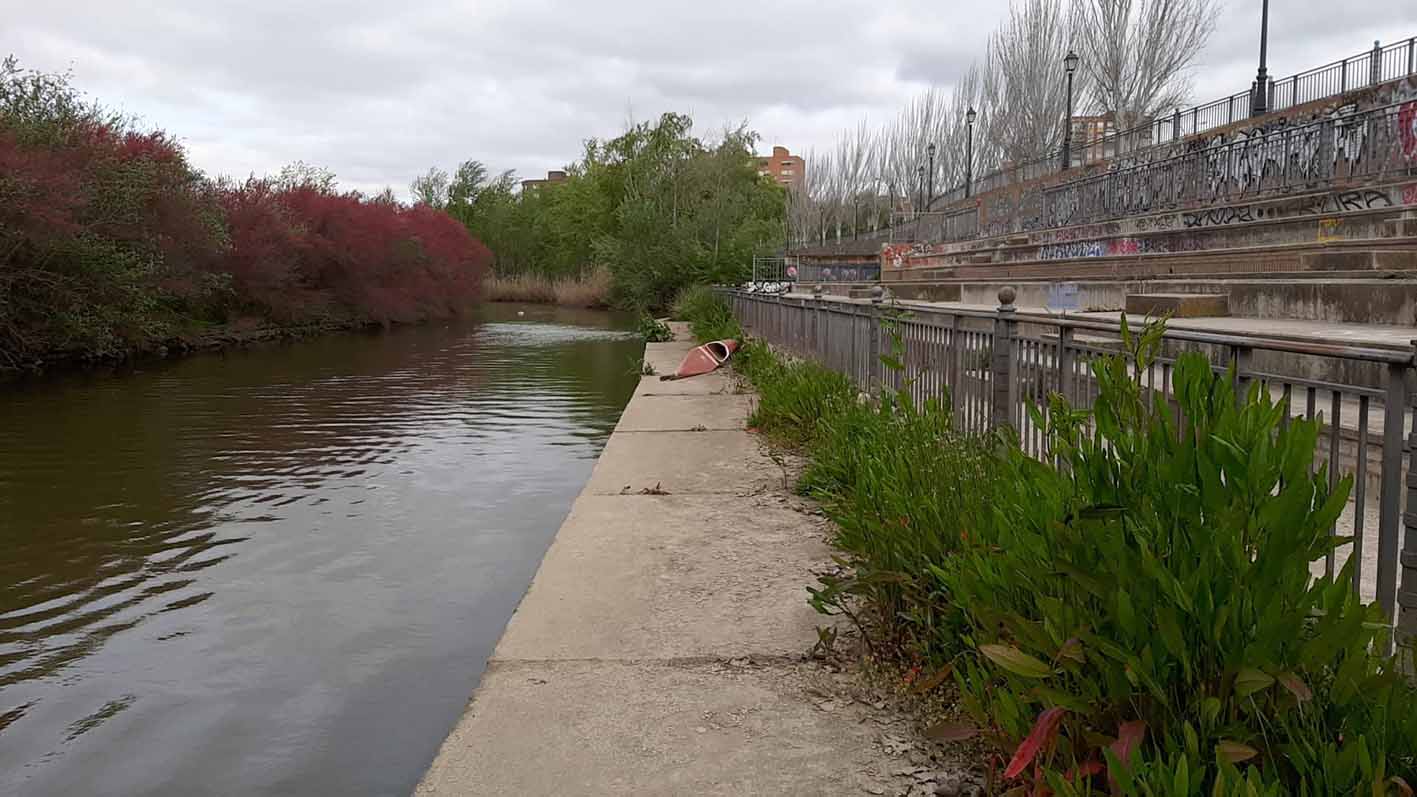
(380, 91)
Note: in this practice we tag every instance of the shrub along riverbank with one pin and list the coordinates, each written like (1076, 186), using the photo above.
(112, 243)
(1138, 620)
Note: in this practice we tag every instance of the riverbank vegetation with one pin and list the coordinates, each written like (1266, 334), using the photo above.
(591, 289)
(655, 208)
(112, 242)
(1135, 617)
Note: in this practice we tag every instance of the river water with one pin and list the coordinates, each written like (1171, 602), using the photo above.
(281, 570)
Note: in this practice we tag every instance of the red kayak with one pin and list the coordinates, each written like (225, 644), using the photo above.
(704, 358)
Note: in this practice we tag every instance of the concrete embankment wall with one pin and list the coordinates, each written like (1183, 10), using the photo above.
(660, 647)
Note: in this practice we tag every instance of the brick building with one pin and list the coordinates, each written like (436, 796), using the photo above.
(784, 167)
(556, 176)
(1090, 142)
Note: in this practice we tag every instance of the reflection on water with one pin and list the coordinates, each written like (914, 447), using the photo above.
(280, 571)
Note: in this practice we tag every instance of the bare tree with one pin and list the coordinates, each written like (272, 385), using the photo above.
(1138, 53)
(431, 188)
(1024, 80)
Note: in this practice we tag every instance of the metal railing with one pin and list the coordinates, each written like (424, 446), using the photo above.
(1358, 146)
(1373, 143)
(1368, 68)
(995, 365)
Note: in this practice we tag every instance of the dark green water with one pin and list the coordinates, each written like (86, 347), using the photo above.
(280, 571)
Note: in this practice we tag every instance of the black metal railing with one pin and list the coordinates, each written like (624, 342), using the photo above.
(993, 365)
(1369, 68)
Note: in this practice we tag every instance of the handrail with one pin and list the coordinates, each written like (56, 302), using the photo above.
(1391, 356)
(1375, 59)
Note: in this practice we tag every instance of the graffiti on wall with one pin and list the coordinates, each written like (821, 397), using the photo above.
(1120, 247)
(1330, 230)
(839, 273)
(894, 255)
(1316, 205)
(1340, 143)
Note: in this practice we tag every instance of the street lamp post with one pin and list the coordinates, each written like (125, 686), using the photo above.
(1070, 63)
(1259, 93)
(930, 176)
(920, 188)
(969, 151)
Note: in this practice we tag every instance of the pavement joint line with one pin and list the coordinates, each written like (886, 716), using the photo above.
(755, 660)
(682, 429)
(685, 492)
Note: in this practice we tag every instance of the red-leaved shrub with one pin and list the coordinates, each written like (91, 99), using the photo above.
(110, 241)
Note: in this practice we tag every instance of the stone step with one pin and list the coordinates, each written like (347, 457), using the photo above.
(1178, 305)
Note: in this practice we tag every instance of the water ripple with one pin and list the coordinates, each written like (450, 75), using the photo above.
(211, 539)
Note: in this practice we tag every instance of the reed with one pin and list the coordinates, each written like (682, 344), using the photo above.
(591, 289)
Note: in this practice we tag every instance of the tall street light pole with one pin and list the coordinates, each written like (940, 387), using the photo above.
(1070, 63)
(969, 152)
(920, 188)
(930, 177)
(1259, 94)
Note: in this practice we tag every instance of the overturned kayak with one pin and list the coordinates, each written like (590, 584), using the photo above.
(704, 358)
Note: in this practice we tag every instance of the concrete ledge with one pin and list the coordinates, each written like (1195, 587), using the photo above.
(714, 383)
(616, 728)
(685, 412)
(1179, 305)
(710, 463)
(676, 577)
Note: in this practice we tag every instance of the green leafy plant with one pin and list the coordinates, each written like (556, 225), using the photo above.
(654, 330)
(1162, 577)
(708, 315)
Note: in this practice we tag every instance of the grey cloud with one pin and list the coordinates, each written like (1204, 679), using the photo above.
(379, 91)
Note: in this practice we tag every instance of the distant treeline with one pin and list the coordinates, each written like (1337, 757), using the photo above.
(656, 207)
(111, 242)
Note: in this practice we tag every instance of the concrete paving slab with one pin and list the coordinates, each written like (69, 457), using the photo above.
(720, 381)
(683, 462)
(657, 728)
(665, 357)
(681, 413)
(677, 577)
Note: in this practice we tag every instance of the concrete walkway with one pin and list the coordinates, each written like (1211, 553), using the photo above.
(660, 647)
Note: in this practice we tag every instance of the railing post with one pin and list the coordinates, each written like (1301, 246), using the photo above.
(874, 330)
(1412, 55)
(1390, 496)
(1407, 595)
(1240, 357)
(1067, 362)
(956, 386)
(1001, 370)
(1343, 76)
(815, 341)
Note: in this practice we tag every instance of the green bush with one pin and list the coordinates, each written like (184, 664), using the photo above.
(654, 330)
(1157, 588)
(707, 313)
(794, 398)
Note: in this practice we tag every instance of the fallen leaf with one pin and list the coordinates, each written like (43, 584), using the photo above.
(1295, 685)
(1044, 730)
(1016, 661)
(934, 680)
(1235, 752)
(1128, 737)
